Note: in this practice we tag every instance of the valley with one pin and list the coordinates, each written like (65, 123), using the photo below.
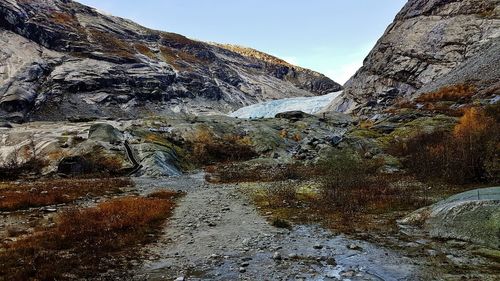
(128, 153)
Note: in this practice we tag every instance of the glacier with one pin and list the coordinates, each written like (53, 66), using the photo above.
(269, 109)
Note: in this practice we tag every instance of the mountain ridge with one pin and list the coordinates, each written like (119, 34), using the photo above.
(427, 40)
(84, 63)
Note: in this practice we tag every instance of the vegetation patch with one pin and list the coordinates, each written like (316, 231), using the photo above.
(85, 243)
(16, 196)
(468, 153)
(461, 92)
(207, 148)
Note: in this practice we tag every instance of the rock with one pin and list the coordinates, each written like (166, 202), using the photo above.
(244, 264)
(471, 216)
(243, 270)
(353, 247)
(95, 65)
(292, 115)
(431, 43)
(105, 133)
(277, 256)
(331, 261)
(157, 160)
(5, 125)
(293, 256)
(318, 246)
(180, 278)
(74, 165)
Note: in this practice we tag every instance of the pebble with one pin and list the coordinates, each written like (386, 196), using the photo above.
(293, 256)
(244, 264)
(276, 256)
(318, 246)
(331, 261)
(243, 270)
(349, 273)
(353, 247)
(180, 278)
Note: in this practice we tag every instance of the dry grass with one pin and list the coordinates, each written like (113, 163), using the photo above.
(49, 192)
(459, 92)
(111, 44)
(374, 206)
(165, 194)
(366, 124)
(235, 172)
(145, 50)
(348, 193)
(63, 18)
(444, 108)
(85, 243)
(179, 59)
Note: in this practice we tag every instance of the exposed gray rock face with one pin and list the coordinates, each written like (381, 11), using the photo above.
(472, 216)
(106, 133)
(428, 40)
(60, 59)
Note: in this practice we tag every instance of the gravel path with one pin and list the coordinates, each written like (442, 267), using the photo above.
(217, 234)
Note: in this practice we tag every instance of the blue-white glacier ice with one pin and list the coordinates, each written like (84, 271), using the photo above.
(269, 109)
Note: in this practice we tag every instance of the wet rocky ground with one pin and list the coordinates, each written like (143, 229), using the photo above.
(217, 234)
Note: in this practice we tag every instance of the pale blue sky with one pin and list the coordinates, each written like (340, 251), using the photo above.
(329, 36)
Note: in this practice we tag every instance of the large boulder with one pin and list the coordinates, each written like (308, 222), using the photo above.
(157, 160)
(471, 216)
(105, 133)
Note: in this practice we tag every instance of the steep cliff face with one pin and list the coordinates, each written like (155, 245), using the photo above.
(429, 40)
(60, 59)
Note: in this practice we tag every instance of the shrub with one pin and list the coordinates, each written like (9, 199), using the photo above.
(468, 154)
(208, 148)
(50, 192)
(461, 92)
(350, 182)
(280, 194)
(280, 223)
(237, 172)
(83, 242)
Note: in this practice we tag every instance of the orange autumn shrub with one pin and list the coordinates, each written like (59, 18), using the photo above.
(467, 154)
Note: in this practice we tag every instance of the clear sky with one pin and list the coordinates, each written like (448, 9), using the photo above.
(329, 36)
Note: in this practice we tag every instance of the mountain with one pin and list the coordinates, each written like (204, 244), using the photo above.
(430, 44)
(60, 59)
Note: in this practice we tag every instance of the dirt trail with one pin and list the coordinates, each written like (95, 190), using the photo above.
(217, 234)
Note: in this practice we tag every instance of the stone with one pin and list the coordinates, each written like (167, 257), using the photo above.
(430, 44)
(277, 256)
(353, 246)
(318, 246)
(105, 133)
(470, 216)
(331, 261)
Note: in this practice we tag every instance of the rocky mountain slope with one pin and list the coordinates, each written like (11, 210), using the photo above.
(430, 44)
(60, 59)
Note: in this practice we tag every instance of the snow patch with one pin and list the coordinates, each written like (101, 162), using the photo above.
(269, 109)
